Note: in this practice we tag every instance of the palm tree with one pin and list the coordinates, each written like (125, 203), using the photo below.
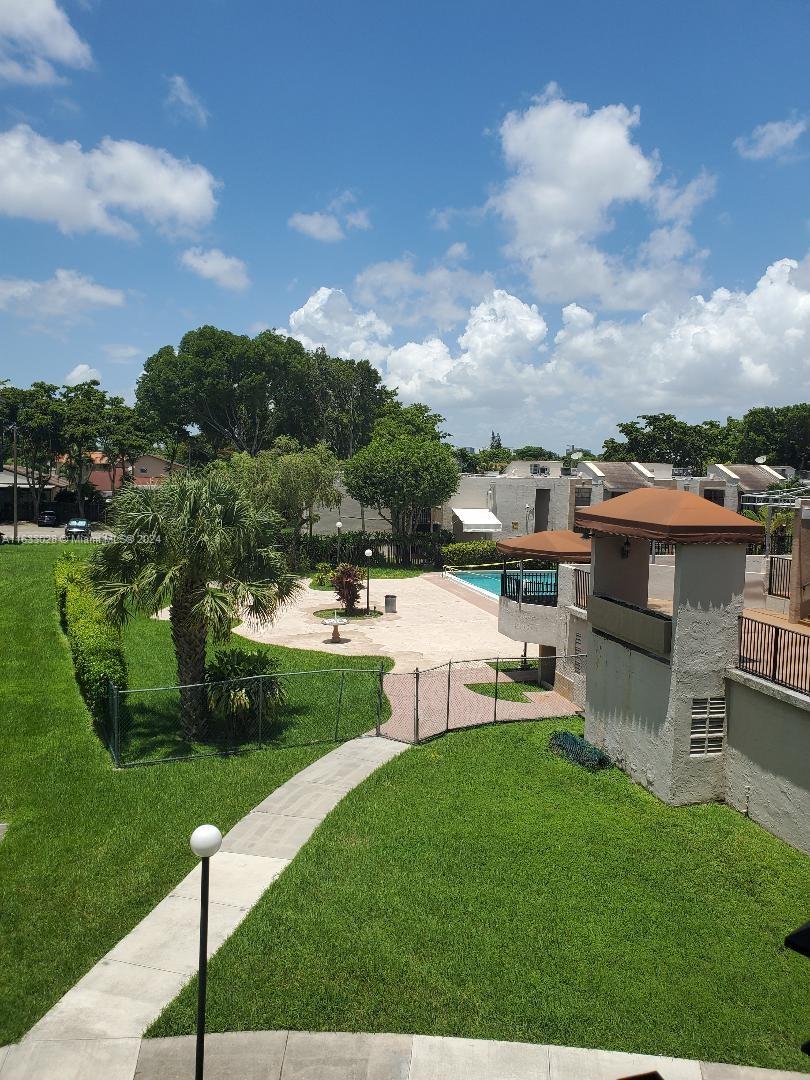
(199, 546)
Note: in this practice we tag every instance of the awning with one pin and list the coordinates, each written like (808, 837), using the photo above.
(478, 520)
(678, 517)
(560, 545)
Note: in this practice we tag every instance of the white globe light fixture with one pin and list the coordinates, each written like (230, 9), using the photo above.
(369, 553)
(205, 841)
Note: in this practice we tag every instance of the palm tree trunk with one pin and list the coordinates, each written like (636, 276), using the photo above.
(189, 636)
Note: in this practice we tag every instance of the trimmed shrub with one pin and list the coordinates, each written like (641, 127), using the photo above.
(470, 553)
(95, 642)
(348, 584)
(578, 751)
(323, 575)
(234, 704)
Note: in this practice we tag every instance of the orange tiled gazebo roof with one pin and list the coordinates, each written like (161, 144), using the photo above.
(678, 517)
(561, 545)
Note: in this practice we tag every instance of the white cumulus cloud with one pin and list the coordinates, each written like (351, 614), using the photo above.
(82, 373)
(99, 189)
(772, 140)
(329, 319)
(330, 224)
(404, 295)
(35, 35)
(65, 296)
(183, 103)
(215, 265)
(121, 354)
(571, 168)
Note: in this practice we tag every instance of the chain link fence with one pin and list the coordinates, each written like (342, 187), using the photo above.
(332, 705)
(470, 693)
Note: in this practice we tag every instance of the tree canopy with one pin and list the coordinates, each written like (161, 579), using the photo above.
(401, 476)
(242, 392)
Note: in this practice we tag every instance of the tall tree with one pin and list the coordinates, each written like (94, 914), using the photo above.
(41, 437)
(292, 482)
(122, 438)
(83, 408)
(201, 547)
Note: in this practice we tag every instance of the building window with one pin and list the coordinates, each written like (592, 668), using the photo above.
(708, 726)
(715, 495)
(538, 470)
(582, 496)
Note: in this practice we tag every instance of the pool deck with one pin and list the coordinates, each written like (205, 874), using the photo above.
(437, 620)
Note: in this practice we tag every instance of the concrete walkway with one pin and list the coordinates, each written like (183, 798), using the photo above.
(307, 1055)
(94, 1031)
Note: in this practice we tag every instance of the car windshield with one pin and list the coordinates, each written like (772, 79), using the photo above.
(78, 521)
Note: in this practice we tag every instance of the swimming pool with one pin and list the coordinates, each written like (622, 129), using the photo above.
(490, 580)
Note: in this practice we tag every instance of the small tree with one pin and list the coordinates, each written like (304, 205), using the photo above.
(348, 583)
(400, 477)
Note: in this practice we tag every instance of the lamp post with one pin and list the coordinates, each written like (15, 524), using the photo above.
(369, 553)
(205, 842)
(338, 526)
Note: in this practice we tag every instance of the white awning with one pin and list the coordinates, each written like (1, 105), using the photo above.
(478, 520)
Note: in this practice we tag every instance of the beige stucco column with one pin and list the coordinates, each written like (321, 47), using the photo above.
(799, 606)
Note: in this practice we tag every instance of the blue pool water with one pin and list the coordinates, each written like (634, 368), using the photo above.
(490, 580)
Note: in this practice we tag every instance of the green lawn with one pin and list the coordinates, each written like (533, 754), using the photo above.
(321, 705)
(504, 690)
(90, 850)
(481, 886)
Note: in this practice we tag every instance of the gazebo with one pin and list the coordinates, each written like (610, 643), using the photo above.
(655, 681)
(557, 545)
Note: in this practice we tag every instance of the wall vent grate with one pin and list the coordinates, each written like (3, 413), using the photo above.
(708, 729)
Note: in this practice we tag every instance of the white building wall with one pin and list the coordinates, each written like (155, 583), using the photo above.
(767, 756)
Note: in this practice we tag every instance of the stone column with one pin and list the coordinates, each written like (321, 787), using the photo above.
(799, 606)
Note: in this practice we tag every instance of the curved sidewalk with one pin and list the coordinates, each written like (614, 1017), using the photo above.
(318, 1055)
(93, 1032)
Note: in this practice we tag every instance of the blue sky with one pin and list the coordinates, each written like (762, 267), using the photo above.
(537, 218)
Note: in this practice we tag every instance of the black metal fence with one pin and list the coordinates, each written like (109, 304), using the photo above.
(530, 587)
(422, 551)
(775, 653)
(779, 576)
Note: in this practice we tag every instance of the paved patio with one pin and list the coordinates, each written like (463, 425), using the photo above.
(437, 620)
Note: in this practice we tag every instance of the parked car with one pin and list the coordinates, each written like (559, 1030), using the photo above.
(47, 518)
(77, 529)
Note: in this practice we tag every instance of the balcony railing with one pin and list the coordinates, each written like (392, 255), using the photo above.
(530, 587)
(774, 653)
(582, 586)
(779, 576)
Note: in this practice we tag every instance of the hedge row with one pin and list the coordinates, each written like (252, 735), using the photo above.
(578, 751)
(470, 553)
(95, 643)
